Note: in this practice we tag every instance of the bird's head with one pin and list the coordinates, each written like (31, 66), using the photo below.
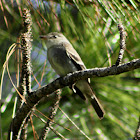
(54, 38)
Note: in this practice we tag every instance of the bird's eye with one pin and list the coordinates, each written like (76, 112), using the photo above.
(54, 36)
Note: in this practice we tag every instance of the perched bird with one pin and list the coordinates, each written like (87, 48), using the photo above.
(64, 59)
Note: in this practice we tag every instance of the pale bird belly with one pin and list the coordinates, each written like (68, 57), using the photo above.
(60, 62)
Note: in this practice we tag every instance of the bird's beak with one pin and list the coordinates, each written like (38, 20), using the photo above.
(44, 37)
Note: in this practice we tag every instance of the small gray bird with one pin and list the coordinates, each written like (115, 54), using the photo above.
(64, 59)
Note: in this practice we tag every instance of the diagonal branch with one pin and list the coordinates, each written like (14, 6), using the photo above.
(137, 133)
(122, 44)
(61, 82)
(53, 111)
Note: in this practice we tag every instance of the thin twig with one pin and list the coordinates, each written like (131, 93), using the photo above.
(53, 111)
(48, 119)
(33, 128)
(137, 133)
(57, 133)
(122, 44)
(75, 125)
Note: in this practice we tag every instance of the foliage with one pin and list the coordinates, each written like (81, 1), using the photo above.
(92, 29)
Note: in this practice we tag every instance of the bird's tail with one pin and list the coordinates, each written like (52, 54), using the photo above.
(86, 90)
(97, 106)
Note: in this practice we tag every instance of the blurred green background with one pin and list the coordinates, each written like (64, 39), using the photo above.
(91, 26)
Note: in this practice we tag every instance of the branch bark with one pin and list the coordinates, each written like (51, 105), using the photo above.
(25, 79)
(53, 111)
(122, 44)
(137, 133)
(67, 80)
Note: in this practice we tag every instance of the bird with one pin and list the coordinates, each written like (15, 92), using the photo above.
(64, 59)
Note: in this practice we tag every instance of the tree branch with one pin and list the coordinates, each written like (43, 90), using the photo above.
(67, 80)
(122, 44)
(137, 133)
(53, 111)
(25, 79)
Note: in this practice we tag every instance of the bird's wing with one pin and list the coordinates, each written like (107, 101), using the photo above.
(74, 56)
(76, 59)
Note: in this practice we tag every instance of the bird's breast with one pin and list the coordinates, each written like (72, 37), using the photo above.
(60, 61)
